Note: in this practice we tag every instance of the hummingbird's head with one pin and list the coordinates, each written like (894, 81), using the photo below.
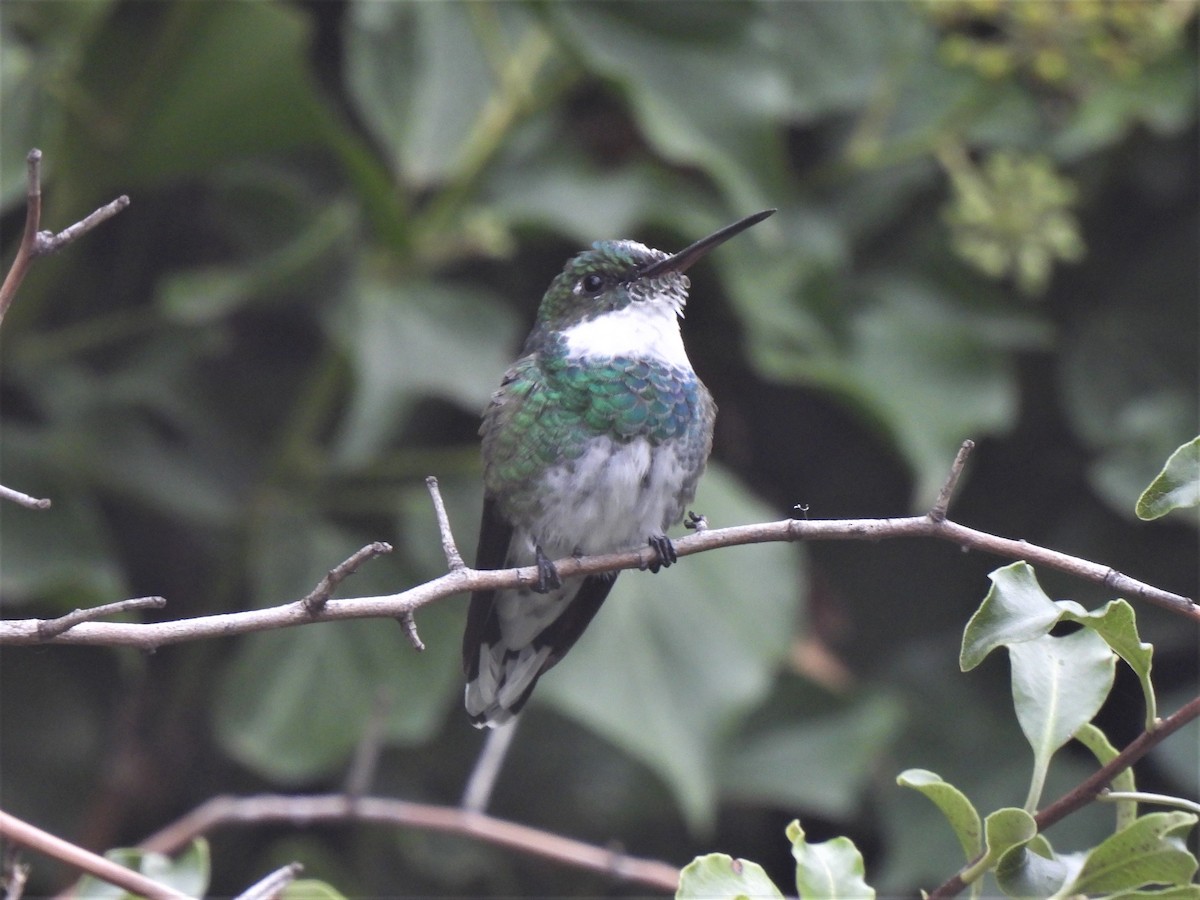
(617, 276)
(608, 278)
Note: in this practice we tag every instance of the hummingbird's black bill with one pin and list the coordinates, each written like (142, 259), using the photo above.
(685, 258)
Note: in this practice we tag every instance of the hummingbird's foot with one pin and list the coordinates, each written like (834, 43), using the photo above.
(548, 579)
(666, 552)
(696, 522)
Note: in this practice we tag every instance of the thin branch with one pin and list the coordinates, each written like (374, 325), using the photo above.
(942, 505)
(491, 758)
(454, 560)
(35, 243)
(1107, 796)
(301, 811)
(272, 886)
(409, 623)
(149, 636)
(50, 628)
(48, 243)
(21, 832)
(7, 493)
(1091, 787)
(361, 773)
(320, 595)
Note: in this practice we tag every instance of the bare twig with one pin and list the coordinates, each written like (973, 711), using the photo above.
(1088, 789)
(21, 832)
(50, 628)
(942, 504)
(302, 811)
(7, 493)
(409, 623)
(272, 886)
(453, 558)
(35, 243)
(320, 595)
(366, 755)
(487, 767)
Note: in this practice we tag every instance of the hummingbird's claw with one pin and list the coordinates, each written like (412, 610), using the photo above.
(548, 579)
(666, 552)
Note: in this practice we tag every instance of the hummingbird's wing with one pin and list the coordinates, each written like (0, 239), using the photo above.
(495, 533)
(503, 655)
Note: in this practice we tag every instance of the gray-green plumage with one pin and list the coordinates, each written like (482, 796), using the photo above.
(593, 444)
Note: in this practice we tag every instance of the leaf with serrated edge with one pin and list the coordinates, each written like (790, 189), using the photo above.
(720, 875)
(1015, 609)
(958, 810)
(1150, 851)
(1176, 487)
(830, 870)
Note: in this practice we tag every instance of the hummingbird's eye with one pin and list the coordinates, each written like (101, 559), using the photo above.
(591, 284)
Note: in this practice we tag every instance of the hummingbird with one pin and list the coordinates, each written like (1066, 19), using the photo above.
(594, 443)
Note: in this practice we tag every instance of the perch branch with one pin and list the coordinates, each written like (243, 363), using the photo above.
(301, 811)
(151, 635)
(21, 832)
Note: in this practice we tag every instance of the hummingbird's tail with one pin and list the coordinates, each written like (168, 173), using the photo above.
(513, 636)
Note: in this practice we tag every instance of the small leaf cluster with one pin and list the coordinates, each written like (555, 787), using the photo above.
(1057, 43)
(1012, 217)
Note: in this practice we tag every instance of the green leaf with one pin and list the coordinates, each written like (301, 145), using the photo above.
(1015, 609)
(1003, 829)
(407, 340)
(188, 873)
(1098, 743)
(310, 889)
(1150, 851)
(718, 876)
(1020, 872)
(188, 87)
(823, 765)
(698, 647)
(1058, 685)
(831, 870)
(1116, 622)
(704, 91)
(316, 686)
(931, 370)
(1176, 487)
(1128, 383)
(427, 79)
(958, 810)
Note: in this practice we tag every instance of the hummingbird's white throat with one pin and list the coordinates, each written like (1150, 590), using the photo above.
(644, 329)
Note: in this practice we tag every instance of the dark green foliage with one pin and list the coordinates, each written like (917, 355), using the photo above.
(344, 215)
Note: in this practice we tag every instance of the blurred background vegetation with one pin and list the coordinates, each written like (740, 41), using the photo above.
(344, 215)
